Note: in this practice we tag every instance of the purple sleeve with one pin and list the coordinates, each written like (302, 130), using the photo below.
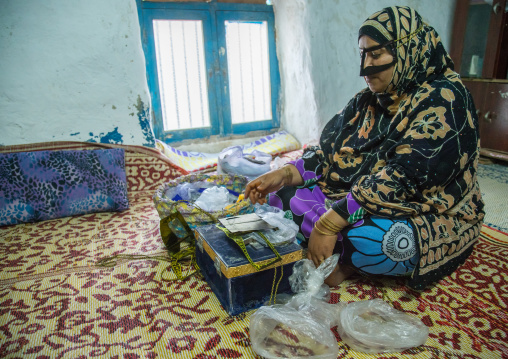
(305, 173)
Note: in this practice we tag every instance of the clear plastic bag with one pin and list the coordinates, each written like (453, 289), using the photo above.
(374, 326)
(232, 160)
(299, 328)
(286, 229)
(187, 191)
(214, 199)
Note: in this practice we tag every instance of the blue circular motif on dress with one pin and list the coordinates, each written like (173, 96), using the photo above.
(384, 246)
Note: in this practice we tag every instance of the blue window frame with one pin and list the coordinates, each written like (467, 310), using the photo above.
(220, 87)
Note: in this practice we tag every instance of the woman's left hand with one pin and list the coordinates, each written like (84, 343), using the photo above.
(320, 247)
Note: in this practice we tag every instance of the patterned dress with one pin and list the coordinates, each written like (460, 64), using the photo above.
(404, 161)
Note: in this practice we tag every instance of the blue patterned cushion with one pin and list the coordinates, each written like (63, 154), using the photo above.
(41, 185)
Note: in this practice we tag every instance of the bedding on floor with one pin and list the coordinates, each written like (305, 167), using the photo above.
(275, 144)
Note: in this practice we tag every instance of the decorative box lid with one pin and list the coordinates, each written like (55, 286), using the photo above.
(229, 258)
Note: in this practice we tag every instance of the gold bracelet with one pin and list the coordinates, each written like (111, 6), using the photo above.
(289, 176)
(332, 224)
(334, 230)
(325, 222)
(328, 221)
(322, 232)
(329, 227)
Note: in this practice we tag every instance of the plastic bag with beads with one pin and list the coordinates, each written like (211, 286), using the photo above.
(299, 327)
(374, 326)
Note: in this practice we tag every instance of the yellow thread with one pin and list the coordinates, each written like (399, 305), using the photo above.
(273, 286)
(239, 241)
(410, 35)
(277, 287)
(175, 264)
(173, 245)
(273, 293)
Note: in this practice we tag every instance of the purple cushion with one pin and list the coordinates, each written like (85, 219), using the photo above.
(41, 185)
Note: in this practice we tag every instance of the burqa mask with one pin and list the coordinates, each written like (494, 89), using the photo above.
(371, 70)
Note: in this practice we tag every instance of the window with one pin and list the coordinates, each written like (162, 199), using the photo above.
(212, 68)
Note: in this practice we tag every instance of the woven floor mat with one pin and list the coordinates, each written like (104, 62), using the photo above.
(55, 303)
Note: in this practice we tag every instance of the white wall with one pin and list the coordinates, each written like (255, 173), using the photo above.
(72, 70)
(75, 70)
(319, 59)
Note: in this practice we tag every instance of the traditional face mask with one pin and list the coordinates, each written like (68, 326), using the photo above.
(371, 70)
(390, 46)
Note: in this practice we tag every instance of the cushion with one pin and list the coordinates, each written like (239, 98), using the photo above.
(274, 144)
(41, 185)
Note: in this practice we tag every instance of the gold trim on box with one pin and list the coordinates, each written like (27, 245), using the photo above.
(248, 268)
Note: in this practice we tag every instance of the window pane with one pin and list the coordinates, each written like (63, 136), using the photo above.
(181, 71)
(475, 39)
(248, 71)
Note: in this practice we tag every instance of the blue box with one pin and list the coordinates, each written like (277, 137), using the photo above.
(236, 283)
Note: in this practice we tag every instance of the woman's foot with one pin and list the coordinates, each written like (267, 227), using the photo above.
(338, 275)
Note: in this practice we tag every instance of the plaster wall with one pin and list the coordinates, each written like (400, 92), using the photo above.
(75, 70)
(72, 71)
(319, 59)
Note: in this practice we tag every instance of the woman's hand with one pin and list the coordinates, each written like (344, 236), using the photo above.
(322, 240)
(320, 247)
(258, 188)
(272, 181)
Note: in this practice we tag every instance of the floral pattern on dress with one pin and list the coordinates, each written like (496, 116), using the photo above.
(384, 246)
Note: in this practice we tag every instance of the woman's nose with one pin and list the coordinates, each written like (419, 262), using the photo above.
(367, 62)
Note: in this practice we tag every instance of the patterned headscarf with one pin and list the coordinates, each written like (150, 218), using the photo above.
(419, 51)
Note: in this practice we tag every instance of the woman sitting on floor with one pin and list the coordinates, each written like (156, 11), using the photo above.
(392, 186)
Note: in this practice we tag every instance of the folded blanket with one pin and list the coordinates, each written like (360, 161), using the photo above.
(274, 144)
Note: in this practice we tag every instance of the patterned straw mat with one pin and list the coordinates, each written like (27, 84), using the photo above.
(493, 180)
(54, 302)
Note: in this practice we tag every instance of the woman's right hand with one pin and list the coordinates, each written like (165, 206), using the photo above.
(258, 189)
(272, 181)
